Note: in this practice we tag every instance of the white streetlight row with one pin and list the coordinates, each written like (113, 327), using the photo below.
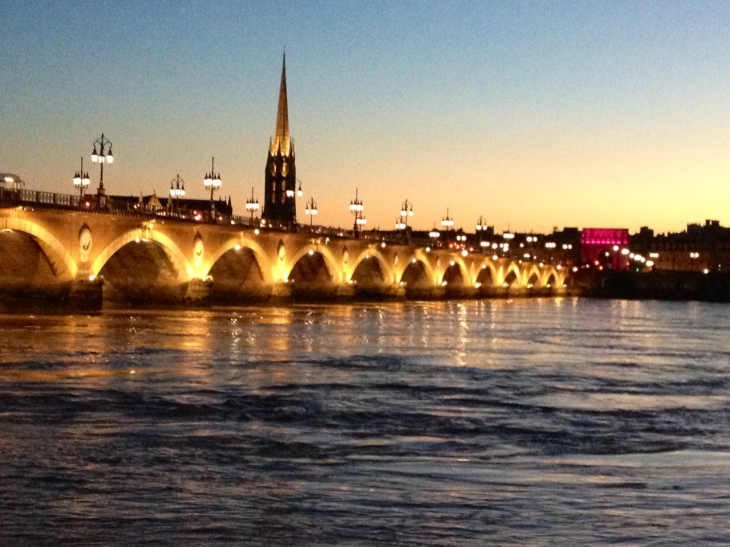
(212, 182)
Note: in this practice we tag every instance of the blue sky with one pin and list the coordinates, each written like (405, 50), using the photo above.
(533, 114)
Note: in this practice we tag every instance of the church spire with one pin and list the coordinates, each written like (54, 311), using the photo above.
(281, 176)
(281, 138)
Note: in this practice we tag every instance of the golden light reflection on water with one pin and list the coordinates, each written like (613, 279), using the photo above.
(23, 375)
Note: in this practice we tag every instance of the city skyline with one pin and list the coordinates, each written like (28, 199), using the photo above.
(534, 116)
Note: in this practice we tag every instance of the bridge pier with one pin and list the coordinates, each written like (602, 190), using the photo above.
(281, 291)
(84, 294)
(389, 292)
(198, 292)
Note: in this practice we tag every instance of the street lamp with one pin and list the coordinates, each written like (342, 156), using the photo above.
(481, 224)
(290, 193)
(176, 191)
(360, 220)
(434, 233)
(311, 209)
(406, 211)
(212, 181)
(399, 224)
(81, 179)
(252, 205)
(447, 222)
(356, 208)
(101, 156)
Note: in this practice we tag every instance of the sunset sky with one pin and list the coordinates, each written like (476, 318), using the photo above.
(532, 114)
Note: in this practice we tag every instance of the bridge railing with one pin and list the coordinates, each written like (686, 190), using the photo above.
(88, 204)
(376, 236)
(15, 197)
(50, 200)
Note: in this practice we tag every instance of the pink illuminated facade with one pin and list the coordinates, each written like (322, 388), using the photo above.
(602, 247)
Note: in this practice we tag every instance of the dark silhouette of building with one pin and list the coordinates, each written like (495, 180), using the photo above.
(281, 174)
(701, 248)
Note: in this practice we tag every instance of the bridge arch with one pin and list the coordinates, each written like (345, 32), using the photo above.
(332, 264)
(412, 268)
(455, 269)
(423, 257)
(560, 274)
(65, 265)
(512, 276)
(487, 275)
(389, 276)
(532, 276)
(264, 262)
(183, 268)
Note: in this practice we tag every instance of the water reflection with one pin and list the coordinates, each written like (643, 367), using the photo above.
(552, 421)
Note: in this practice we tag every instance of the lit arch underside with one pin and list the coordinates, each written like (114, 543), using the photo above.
(140, 273)
(25, 269)
(369, 274)
(237, 276)
(311, 272)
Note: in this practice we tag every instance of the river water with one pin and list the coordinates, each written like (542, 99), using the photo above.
(524, 422)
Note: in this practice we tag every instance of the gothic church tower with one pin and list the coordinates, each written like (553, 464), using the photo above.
(281, 174)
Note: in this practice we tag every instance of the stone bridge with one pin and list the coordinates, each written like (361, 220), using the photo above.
(83, 256)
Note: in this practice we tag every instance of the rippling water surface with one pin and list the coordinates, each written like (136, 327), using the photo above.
(527, 422)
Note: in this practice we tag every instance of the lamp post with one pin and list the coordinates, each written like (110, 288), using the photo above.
(481, 224)
(447, 221)
(356, 207)
(81, 180)
(360, 220)
(176, 191)
(101, 156)
(311, 209)
(252, 205)
(435, 234)
(290, 193)
(405, 212)
(212, 180)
